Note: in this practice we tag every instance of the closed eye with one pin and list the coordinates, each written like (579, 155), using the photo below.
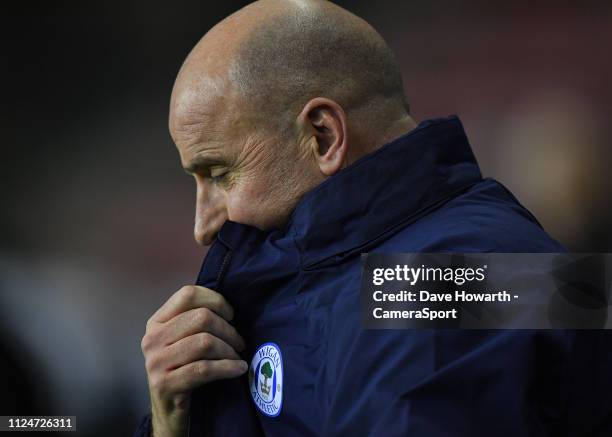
(219, 177)
(218, 174)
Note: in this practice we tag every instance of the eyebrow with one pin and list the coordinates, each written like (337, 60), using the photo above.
(201, 163)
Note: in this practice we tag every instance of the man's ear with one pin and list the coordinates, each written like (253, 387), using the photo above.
(324, 122)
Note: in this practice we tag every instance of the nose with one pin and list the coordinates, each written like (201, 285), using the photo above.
(210, 213)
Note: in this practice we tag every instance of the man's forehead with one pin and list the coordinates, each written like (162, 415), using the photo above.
(196, 108)
(197, 94)
(208, 129)
(204, 77)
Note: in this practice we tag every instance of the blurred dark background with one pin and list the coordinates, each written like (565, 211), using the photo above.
(96, 223)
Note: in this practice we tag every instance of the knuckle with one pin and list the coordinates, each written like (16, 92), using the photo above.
(149, 340)
(146, 343)
(150, 324)
(181, 402)
(203, 317)
(202, 369)
(157, 382)
(205, 341)
(152, 363)
(188, 293)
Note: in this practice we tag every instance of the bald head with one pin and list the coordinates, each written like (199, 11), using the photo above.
(275, 98)
(316, 48)
(276, 55)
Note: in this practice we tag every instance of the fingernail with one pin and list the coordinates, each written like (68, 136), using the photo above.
(244, 366)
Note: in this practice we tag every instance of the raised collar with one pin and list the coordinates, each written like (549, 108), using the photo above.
(368, 200)
(364, 202)
(383, 191)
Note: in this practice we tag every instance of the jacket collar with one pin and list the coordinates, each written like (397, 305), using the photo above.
(365, 202)
(383, 191)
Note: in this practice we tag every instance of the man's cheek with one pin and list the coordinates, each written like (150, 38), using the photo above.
(246, 207)
(252, 207)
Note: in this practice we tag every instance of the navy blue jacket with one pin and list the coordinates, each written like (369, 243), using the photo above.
(299, 289)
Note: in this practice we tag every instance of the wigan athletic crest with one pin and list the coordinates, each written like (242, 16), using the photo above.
(266, 379)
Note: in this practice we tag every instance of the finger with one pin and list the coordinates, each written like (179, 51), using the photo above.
(201, 346)
(201, 320)
(190, 297)
(201, 372)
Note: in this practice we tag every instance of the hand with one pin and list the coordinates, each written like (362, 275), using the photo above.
(188, 343)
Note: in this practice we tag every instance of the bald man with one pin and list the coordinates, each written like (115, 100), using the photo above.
(291, 118)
